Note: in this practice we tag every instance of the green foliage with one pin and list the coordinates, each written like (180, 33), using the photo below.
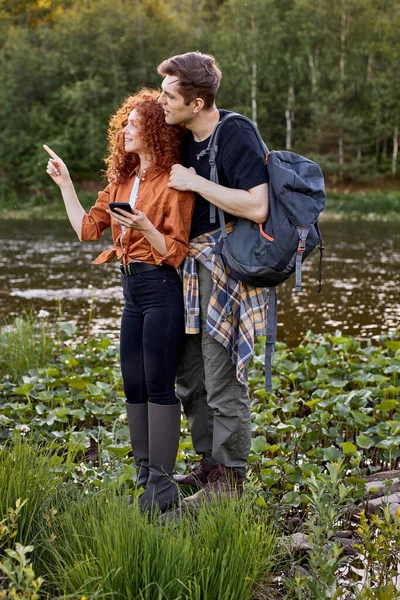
(24, 344)
(9, 524)
(370, 205)
(65, 97)
(45, 205)
(333, 418)
(21, 581)
(380, 550)
(217, 555)
(328, 497)
(34, 473)
(66, 66)
(334, 400)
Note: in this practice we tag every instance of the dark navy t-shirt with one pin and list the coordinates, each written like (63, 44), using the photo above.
(240, 164)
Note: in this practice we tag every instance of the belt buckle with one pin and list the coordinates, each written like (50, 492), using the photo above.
(124, 269)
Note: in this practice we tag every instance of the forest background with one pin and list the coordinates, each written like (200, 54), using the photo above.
(319, 77)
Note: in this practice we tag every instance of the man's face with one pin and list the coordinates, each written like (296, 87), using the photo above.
(173, 103)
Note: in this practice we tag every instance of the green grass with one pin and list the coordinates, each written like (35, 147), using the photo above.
(105, 549)
(366, 205)
(44, 205)
(32, 472)
(25, 343)
(98, 545)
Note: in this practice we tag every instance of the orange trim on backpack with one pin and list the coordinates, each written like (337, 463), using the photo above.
(266, 158)
(271, 239)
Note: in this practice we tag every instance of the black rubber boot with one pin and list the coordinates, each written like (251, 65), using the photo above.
(139, 434)
(164, 431)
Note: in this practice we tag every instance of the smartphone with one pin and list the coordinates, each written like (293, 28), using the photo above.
(122, 205)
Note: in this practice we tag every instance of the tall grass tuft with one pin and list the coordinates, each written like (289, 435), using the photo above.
(105, 549)
(24, 344)
(32, 473)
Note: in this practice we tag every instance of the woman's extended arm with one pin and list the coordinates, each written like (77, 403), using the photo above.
(58, 171)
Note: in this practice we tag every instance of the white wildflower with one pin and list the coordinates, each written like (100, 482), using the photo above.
(23, 429)
(82, 468)
(43, 314)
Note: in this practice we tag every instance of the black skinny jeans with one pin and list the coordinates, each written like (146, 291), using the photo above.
(152, 334)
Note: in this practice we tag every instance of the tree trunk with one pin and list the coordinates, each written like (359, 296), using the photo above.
(372, 49)
(313, 71)
(313, 64)
(377, 148)
(139, 32)
(342, 50)
(341, 156)
(288, 129)
(253, 77)
(385, 147)
(341, 83)
(289, 114)
(254, 92)
(395, 147)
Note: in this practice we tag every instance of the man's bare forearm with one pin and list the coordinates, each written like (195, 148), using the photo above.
(241, 203)
(252, 204)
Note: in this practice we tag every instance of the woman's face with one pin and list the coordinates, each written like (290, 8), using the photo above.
(133, 141)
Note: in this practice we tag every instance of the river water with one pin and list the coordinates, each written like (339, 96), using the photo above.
(42, 262)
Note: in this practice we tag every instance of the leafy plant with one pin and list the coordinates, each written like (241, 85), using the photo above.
(379, 550)
(327, 501)
(332, 419)
(9, 524)
(21, 580)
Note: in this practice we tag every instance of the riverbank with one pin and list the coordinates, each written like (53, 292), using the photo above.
(332, 421)
(344, 202)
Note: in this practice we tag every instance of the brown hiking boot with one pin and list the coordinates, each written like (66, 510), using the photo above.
(223, 482)
(198, 476)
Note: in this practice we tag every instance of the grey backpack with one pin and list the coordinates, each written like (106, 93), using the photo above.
(266, 254)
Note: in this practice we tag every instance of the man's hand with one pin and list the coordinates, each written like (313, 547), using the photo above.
(182, 178)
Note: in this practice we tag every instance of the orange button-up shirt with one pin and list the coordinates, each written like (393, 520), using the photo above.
(169, 210)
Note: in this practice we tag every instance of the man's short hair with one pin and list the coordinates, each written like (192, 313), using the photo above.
(199, 76)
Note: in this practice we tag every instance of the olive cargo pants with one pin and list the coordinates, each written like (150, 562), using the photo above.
(216, 405)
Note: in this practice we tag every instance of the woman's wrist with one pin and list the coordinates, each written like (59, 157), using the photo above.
(64, 185)
(148, 228)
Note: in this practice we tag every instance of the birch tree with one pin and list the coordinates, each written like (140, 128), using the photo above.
(246, 43)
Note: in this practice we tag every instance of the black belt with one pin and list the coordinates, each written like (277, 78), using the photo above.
(136, 267)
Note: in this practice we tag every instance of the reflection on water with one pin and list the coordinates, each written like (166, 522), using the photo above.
(43, 262)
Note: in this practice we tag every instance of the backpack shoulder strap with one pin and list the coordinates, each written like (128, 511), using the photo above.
(212, 150)
(213, 143)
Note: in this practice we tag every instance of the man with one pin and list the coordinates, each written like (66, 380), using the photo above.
(211, 386)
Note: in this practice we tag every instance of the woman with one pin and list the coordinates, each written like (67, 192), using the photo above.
(150, 243)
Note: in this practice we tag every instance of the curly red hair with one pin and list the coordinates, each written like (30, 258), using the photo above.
(161, 142)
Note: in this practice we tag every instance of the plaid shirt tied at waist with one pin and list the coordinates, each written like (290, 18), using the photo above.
(236, 312)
